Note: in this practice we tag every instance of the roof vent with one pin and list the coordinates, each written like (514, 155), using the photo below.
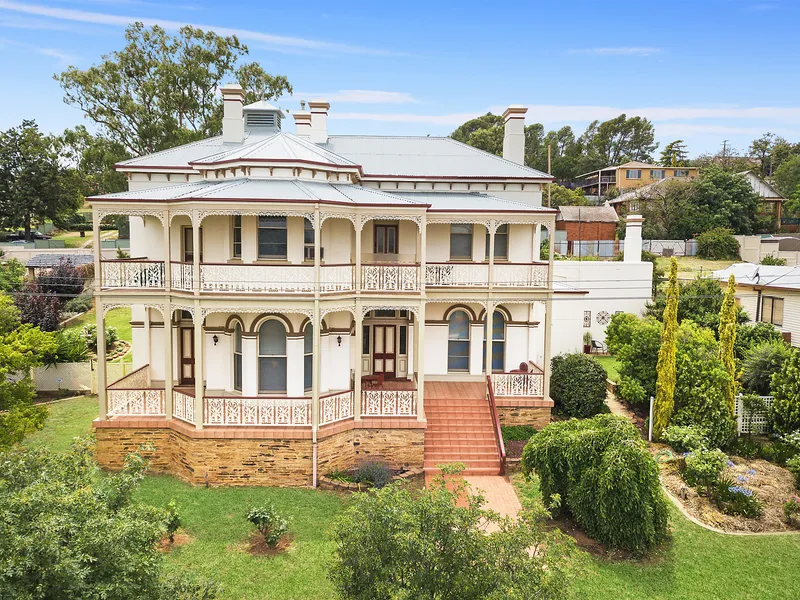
(262, 115)
(261, 119)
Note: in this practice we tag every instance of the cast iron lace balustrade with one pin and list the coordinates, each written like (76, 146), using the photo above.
(518, 385)
(238, 410)
(181, 273)
(389, 403)
(520, 275)
(455, 274)
(183, 406)
(336, 407)
(221, 277)
(132, 273)
(132, 395)
(336, 278)
(390, 278)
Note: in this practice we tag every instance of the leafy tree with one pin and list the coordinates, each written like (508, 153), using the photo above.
(66, 532)
(717, 244)
(393, 544)
(619, 140)
(21, 347)
(38, 308)
(726, 200)
(63, 280)
(770, 150)
(727, 340)
(160, 90)
(669, 211)
(561, 196)
(787, 176)
(700, 300)
(792, 205)
(674, 154)
(760, 363)
(785, 408)
(93, 157)
(34, 185)
(665, 369)
(750, 335)
(493, 144)
(638, 359)
(578, 384)
(12, 273)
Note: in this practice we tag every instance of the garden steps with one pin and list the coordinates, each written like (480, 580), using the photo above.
(460, 429)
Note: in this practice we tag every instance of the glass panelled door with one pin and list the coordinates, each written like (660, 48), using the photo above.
(187, 355)
(384, 352)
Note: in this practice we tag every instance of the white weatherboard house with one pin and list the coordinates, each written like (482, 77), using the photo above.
(302, 302)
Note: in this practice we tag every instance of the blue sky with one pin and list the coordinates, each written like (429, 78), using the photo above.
(703, 71)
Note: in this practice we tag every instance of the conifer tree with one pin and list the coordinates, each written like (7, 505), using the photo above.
(666, 370)
(727, 339)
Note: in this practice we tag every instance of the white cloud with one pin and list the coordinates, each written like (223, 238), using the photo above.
(96, 18)
(360, 96)
(617, 51)
(63, 57)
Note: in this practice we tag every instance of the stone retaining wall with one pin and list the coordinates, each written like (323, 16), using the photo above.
(535, 416)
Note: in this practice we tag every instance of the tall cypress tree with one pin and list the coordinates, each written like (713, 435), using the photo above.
(727, 338)
(666, 370)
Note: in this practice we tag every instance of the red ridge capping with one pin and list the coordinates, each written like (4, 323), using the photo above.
(497, 430)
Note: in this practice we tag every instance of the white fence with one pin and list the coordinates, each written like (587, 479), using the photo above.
(749, 420)
(76, 377)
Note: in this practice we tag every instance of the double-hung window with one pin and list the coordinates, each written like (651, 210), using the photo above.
(461, 241)
(772, 310)
(385, 239)
(237, 236)
(272, 237)
(500, 243)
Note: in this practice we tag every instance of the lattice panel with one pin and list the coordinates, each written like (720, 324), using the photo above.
(750, 421)
(520, 275)
(182, 406)
(389, 278)
(135, 402)
(181, 274)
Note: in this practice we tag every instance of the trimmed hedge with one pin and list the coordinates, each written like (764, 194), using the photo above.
(577, 384)
(605, 477)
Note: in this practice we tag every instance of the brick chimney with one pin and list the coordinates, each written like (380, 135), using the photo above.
(319, 121)
(633, 238)
(232, 120)
(514, 138)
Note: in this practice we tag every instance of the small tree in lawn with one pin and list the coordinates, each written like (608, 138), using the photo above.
(665, 382)
(727, 340)
(269, 523)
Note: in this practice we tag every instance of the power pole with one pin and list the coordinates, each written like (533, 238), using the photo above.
(724, 154)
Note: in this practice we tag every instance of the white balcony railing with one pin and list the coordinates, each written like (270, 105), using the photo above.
(181, 273)
(390, 278)
(389, 403)
(520, 275)
(337, 278)
(455, 274)
(132, 273)
(132, 395)
(222, 277)
(336, 407)
(518, 385)
(265, 411)
(183, 406)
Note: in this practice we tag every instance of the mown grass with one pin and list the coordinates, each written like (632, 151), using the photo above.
(696, 564)
(611, 365)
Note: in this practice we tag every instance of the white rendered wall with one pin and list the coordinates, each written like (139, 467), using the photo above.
(476, 349)
(435, 349)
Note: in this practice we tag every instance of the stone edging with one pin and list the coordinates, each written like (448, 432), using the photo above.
(346, 486)
(697, 521)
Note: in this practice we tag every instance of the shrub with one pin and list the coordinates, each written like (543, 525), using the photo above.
(269, 523)
(771, 259)
(518, 433)
(704, 467)
(604, 476)
(761, 363)
(621, 331)
(637, 356)
(375, 473)
(78, 304)
(685, 438)
(750, 335)
(717, 243)
(90, 335)
(785, 408)
(793, 464)
(733, 499)
(791, 509)
(71, 347)
(172, 520)
(632, 391)
(577, 384)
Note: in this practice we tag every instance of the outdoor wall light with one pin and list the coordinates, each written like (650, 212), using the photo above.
(215, 338)
(339, 340)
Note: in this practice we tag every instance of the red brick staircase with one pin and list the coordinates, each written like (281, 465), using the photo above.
(460, 428)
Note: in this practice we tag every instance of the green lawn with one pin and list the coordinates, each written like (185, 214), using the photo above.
(73, 239)
(119, 318)
(698, 564)
(690, 267)
(610, 364)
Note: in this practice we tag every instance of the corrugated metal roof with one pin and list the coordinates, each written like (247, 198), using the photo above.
(468, 202)
(762, 275)
(278, 146)
(425, 157)
(587, 214)
(53, 260)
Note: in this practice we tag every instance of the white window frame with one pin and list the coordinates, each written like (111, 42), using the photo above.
(628, 173)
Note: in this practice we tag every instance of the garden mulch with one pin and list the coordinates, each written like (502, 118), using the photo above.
(772, 484)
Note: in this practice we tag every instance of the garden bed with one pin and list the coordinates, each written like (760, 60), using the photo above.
(342, 484)
(772, 484)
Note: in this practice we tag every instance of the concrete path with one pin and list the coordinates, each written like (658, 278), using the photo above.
(501, 497)
(616, 407)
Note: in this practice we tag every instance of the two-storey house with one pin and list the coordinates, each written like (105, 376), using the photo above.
(629, 176)
(303, 301)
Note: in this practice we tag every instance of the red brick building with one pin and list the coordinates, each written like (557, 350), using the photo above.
(584, 223)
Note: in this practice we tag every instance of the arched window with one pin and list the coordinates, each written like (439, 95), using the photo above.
(458, 342)
(272, 356)
(498, 342)
(308, 358)
(237, 356)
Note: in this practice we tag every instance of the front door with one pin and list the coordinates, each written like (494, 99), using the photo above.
(384, 353)
(187, 356)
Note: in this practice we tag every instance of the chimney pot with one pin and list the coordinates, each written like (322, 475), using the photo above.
(514, 137)
(319, 121)
(232, 118)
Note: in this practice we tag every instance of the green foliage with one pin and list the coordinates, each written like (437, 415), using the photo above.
(636, 344)
(725, 200)
(393, 543)
(562, 196)
(727, 339)
(791, 509)
(544, 250)
(750, 335)
(71, 346)
(78, 304)
(12, 273)
(269, 523)
(620, 331)
(518, 433)
(631, 390)
(793, 465)
(674, 154)
(669, 211)
(90, 335)
(375, 473)
(761, 363)
(66, 532)
(133, 97)
(699, 300)
(787, 176)
(686, 438)
(577, 384)
(172, 520)
(605, 477)
(93, 157)
(733, 499)
(704, 467)
(665, 368)
(717, 244)
(34, 184)
(451, 468)
(785, 408)
(773, 260)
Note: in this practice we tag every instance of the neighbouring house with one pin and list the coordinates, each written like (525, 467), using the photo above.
(770, 294)
(302, 301)
(592, 224)
(628, 176)
(48, 261)
(634, 200)
(586, 294)
(771, 200)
